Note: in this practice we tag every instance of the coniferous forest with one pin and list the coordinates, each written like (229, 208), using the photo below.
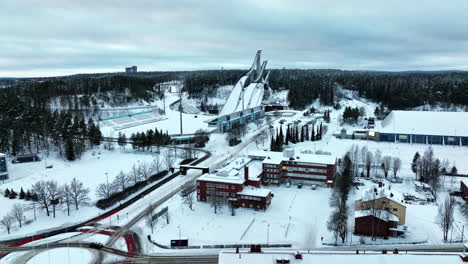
(30, 119)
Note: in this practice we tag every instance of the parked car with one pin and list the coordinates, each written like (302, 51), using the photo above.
(314, 187)
(299, 186)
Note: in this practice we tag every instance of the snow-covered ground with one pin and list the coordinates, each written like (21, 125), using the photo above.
(60, 255)
(309, 210)
(292, 218)
(91, 169)
(349, 258)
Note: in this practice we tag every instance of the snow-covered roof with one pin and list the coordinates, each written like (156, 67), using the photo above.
(381, 214)
(2, 155)
(234, 171)
(383, 192)
(426, 123)
(252, 191)
(272, 157)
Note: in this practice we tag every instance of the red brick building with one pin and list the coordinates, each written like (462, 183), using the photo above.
(297, 168)
(238, 182)
(380, 223)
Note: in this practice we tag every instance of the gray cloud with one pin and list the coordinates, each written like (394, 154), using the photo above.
(53, 37)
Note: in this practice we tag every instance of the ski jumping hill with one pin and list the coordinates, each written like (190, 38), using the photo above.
(248, 90)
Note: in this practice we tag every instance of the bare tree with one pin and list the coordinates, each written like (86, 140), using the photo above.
(156, 165)
(18, 213)
(120, 181)
(54, 194)
(7, 222)
(445, 217)
(135, 174)
(40, 189)
(386, 164)
(104, 190)
(377, 159)
(66, 196)
(368, 162)
(145, 170)
(79, 193)
(338, 222)
(216, 202)
(149, 220)
(187, 195)
(396, 166)
(169, 159)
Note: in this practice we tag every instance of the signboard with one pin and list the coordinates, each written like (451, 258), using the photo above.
(158, 214)
(403, 137)
(451, 139)
(179, 242)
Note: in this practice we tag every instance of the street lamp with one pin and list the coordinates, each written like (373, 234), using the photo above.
(179, 230)
(268, 234)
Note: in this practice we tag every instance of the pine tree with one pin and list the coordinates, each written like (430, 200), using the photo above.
(313, 134)
(28, 196)
(13, 194)
(454, 171)
(22, 195)
(272, 144)
(69, 149)
(415, 163)
(281, 137)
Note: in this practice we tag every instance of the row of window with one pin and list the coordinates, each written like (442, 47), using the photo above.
(252, 198)
(225, 194)
(218, 185)
(271, 166)
(272, 175)
(306, 169)
(271, 170)
(309, 176)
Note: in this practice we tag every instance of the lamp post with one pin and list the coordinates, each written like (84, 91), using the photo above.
(179, 230)
(268, 234)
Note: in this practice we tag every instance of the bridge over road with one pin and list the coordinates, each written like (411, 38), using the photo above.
(185, 168)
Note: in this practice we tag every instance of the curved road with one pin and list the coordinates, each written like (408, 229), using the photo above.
(23, 240)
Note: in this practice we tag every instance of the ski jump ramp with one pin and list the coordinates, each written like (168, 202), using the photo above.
(248, 90)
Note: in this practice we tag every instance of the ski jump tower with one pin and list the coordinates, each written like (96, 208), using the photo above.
(256, 71)
(244, 104)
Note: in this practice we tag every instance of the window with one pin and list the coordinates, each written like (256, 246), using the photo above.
(395, 209)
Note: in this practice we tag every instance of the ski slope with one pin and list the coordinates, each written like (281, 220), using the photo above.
(252, 96)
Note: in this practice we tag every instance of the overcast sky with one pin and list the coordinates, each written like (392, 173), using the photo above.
(58, 37)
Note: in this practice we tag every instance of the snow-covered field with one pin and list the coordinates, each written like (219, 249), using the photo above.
(310, 210)
(91, 169)
(294, 217)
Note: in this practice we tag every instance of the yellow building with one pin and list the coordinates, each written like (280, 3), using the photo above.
(388, 204)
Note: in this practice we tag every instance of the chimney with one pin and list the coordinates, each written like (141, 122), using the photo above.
(246, 173)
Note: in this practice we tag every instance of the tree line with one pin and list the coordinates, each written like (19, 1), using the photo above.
(296, 134)
(49, 196)
(28, 126)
